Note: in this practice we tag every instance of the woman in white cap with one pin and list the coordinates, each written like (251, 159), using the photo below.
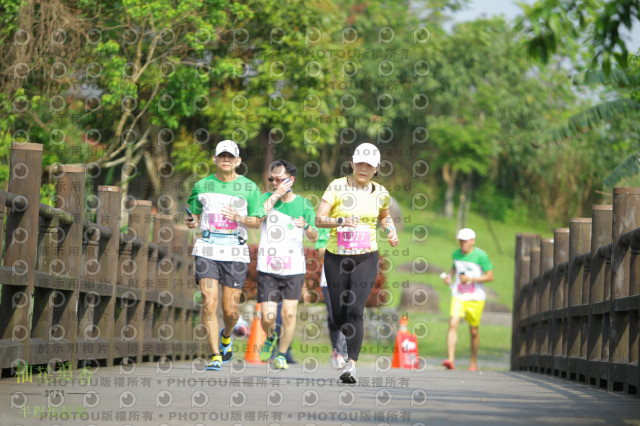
(224, 205)
(351, 207)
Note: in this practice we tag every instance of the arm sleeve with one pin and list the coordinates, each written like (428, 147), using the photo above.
(384, 199)
(323, 237)
(485, 263)
(254, 201)
(194, 202)
(330, 194)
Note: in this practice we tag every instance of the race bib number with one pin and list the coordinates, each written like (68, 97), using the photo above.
(350, 238)
(466, 288)
(219, 223)
(278, 264)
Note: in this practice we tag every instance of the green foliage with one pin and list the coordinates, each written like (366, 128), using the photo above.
(6, 137)
(552, 25)
(629, 167)
(195, 72)
(616, 78)
(593, 117)
(492, 204)
(9, 10)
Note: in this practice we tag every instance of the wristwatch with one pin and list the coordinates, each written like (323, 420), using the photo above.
(340, 221)
(305, 227)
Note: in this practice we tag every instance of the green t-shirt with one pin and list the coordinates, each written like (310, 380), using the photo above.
(323, 237)
(223, 239)
(299, 206)
(474, 265)
(281, 251)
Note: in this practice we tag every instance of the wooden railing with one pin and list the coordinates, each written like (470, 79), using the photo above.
(577, 298)
(83, 292)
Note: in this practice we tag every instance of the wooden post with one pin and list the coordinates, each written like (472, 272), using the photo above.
(151, 311)
(624, 336)
(92, 345)
(184, 296)
(48, 302)
(2, 214)
(599, 313)
(558, 336)
(70, 190)
(524, 242)
(163, 234)
(546, 271)
(546, 267)
(535, 275)
(108, 215)
(140, 259)
(533, 326)
(20, 251)
(579, 245)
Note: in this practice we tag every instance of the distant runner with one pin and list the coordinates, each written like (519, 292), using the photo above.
(471, 267)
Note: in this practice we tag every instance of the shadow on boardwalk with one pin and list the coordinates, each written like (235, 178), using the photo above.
(182, 394)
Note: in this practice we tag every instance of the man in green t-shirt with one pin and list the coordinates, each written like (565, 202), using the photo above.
(224, 205)
(281, 260)
(471, 267)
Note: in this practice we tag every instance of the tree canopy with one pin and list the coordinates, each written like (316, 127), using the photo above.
(141, 91)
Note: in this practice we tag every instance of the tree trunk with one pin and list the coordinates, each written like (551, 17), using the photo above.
(126, 172)
(153, 157)
(465, 202)
(268, 158)
(449, 178)
(328, 161)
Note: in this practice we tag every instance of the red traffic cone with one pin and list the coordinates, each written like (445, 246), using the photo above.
(405, 352)
(256, 338)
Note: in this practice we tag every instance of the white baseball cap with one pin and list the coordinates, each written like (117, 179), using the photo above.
(466, 234)
(366, 153)
(228, 146)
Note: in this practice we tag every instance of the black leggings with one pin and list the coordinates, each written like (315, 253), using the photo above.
(350, 279)
(338, 341)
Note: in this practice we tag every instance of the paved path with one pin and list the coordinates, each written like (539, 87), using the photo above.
(182, 394)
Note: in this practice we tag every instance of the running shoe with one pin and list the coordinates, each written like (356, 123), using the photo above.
(334, 359)
(341, 362)
(473, 368)
(348, 374)
(448, 364)
(226, 350)
(281, 363)
(267, 348)
(216, 363)
(337, 360)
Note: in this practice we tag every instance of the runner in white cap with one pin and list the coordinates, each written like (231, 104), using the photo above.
(351, 207)
(471, 267)
(224, 205)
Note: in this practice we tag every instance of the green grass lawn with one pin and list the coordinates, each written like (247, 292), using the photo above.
(496, 238)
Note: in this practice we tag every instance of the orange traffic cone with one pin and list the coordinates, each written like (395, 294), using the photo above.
(256, 338)
(405, 352)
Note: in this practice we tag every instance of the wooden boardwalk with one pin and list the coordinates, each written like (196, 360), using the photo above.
(182, 393)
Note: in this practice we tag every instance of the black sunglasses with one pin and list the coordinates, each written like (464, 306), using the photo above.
(278, 180)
